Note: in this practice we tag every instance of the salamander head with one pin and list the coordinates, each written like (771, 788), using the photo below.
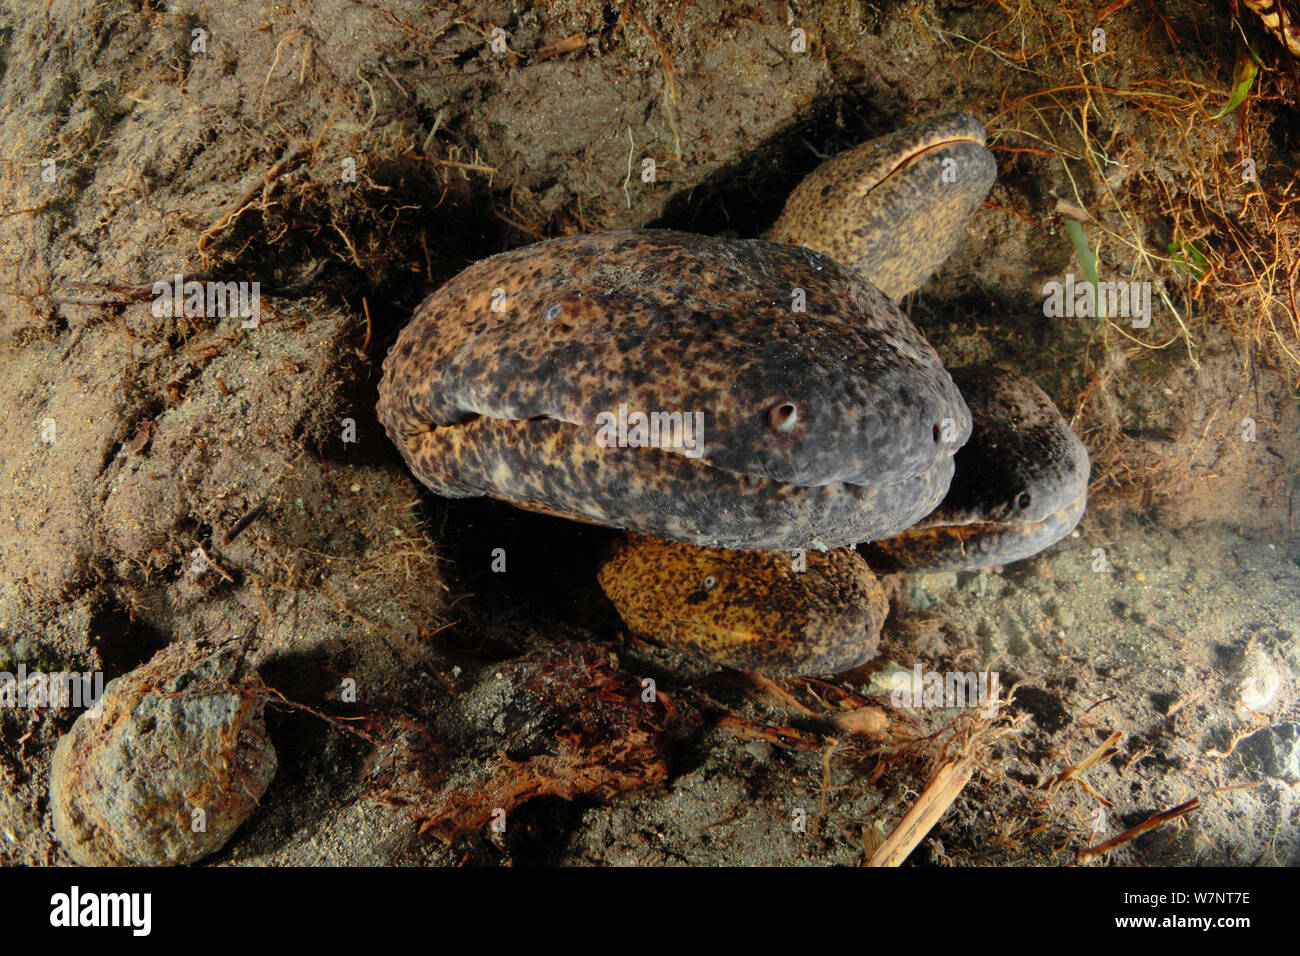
(895, 207)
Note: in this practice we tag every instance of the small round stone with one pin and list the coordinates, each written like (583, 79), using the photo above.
(168, 764)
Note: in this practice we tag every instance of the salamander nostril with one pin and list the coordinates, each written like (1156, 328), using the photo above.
(937, 432)
(783, 417)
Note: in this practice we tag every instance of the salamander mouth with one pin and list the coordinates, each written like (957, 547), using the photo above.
(548, 466)
(922, 149)
(966, 545)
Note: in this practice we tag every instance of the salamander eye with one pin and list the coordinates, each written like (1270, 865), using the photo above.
(783, 417)
(552, 311)
(710, 583)
(1022, 501)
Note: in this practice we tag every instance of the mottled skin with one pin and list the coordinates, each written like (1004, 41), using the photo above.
(893, 208)
(504, 402)
(813, 612)
(1021, 482)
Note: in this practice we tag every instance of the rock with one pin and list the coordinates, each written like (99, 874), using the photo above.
(172, 738)
(938, 582)
(888, 677)
(918, 598)
(926, 588)
(1017, 636)
(1274, 751)
(1259, 680)
(760, 750)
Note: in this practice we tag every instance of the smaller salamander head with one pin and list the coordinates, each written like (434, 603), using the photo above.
(1023, 463)
(1021, 482)
(808, 612)
(893, 208)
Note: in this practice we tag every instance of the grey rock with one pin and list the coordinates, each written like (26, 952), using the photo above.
(1274, 751)
(175, 760)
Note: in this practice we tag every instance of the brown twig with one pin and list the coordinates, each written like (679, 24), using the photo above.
(787, 737)
(1150, 823)
(248, 518)
(575, 41)
(948, 781)
(1103, 752)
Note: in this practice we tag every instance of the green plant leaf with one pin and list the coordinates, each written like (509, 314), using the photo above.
(1087, 260)
(1191, 258)
(1243, 78)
